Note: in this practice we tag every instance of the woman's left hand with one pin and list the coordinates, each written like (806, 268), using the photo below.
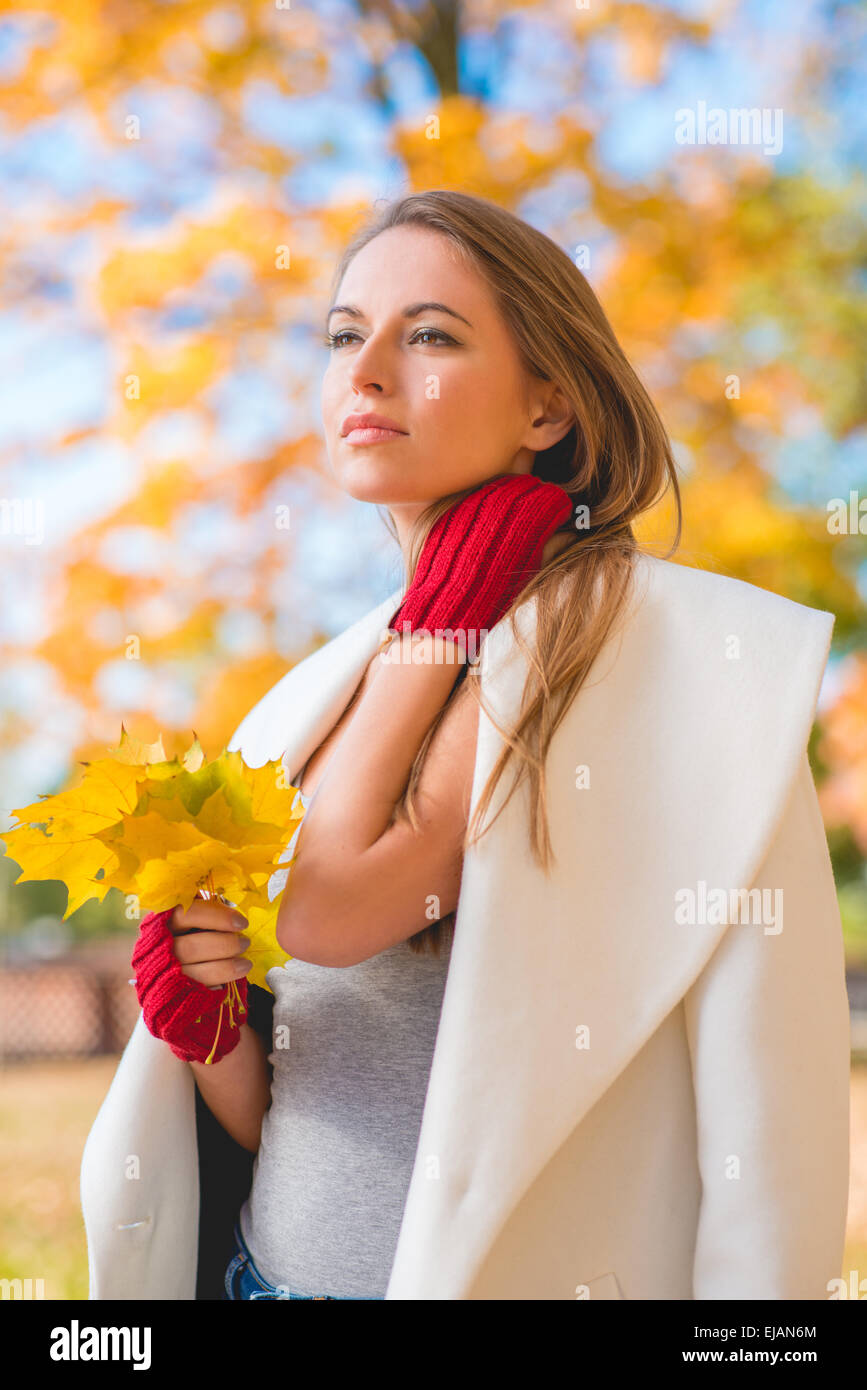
(481, 553)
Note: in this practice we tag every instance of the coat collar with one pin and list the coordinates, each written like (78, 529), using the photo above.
(691, 726)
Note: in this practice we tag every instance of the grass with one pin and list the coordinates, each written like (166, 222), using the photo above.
(47, 1109)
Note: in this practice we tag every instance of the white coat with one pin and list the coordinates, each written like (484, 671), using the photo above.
(621, 1104)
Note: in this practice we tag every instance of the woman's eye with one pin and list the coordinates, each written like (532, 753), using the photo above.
(335, 340)
(332, 340)
(443, 337)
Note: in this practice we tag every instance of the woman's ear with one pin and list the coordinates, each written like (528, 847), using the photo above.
(552, 417)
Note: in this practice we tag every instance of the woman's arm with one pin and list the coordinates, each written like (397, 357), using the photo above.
(237, 1090)
(236, 1087)
(361, 883)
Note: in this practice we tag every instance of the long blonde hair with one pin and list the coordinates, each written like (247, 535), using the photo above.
(616, 460)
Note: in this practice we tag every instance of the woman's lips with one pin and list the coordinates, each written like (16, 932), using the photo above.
(372, 434)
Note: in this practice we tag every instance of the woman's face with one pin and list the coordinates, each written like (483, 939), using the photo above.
(451, 383)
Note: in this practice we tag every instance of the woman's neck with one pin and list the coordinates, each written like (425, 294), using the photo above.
(554, 545)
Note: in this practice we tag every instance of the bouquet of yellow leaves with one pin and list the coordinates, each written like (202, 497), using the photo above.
(164, 830)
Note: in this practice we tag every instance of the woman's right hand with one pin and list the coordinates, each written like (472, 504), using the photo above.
(190, 981)
(208, 945)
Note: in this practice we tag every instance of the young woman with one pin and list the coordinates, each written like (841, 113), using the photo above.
(563, 1055)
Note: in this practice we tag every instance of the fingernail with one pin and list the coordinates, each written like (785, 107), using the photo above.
(243, 966)
(239, 919)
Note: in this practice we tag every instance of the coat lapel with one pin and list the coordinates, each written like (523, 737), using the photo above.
(690, 727)
(302, 708)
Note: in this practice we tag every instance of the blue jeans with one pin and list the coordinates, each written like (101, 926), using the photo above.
(243, 1280)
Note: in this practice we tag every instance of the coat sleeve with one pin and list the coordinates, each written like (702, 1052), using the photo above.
(768, 1028)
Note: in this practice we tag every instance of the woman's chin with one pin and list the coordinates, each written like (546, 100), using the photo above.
(365, 485)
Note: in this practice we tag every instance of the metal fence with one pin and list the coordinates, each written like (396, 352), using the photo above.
(78, 1004)
(81, 1004)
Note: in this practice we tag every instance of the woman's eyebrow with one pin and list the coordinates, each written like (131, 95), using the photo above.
(410, 312)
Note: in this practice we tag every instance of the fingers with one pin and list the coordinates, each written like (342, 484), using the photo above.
(218, 972)
(206, 915)
(207, 944)
(200, 946)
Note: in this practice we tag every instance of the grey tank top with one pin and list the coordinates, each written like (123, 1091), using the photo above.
(351, 1051)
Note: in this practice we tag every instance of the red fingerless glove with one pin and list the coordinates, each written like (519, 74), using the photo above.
(480, 554)
(197, 1023)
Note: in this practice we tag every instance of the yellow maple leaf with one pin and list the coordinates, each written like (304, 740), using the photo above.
(164, 829)
(67, 848)
(264, 950)
(132, 750)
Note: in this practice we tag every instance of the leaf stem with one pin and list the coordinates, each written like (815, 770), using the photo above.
(232, 997)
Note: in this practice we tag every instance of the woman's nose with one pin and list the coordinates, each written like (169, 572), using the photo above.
(369, 369)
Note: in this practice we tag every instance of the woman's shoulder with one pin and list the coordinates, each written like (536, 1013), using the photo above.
(678, 577)
(705, 640)
(713, 621)
(690, 643)
(673, 606)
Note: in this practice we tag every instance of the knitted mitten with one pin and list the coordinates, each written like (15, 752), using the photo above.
(197, 1022)
(480, 554)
